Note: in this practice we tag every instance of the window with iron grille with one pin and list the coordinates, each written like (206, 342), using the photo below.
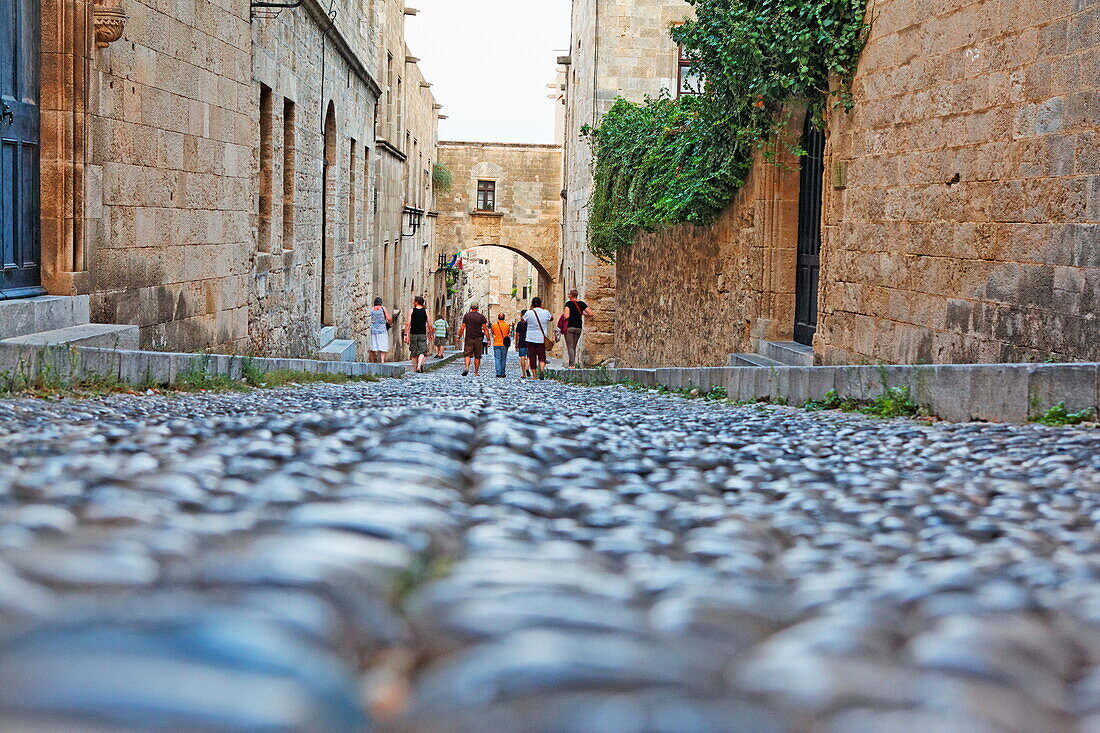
(486, 195)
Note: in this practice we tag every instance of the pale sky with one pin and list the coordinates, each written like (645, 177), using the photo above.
(489, 62)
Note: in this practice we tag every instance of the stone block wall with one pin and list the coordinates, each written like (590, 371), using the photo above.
(169, 181)
(969, 226)
(215, 178)
(961, 208)
(694, 294)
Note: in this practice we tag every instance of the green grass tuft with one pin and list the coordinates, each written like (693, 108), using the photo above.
(1059, 415)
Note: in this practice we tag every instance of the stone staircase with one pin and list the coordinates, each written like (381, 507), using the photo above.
(334, 349)
(55, 320)
(776, 354)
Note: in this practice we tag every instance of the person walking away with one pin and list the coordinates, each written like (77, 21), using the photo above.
(380, 323)
(416, 333)
(502, 341)
(575, 313)
(474, 328)
(441, 329)
(538, 335)
(521, 345)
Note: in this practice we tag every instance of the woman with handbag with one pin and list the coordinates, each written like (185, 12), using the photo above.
(502, 341)
(380, 323)
(538, 328)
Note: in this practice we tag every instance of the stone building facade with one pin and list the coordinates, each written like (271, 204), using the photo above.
(407, 130)
(617, 49)
(958, 204)
(507, 196)
(209, 170)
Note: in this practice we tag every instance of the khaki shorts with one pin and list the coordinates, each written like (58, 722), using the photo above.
(474, 348)
(440, 340)
(418, 344)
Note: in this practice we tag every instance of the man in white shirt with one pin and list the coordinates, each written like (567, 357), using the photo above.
(538, 334)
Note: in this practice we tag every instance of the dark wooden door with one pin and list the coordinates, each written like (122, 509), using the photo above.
(809, 233)
(19, 216)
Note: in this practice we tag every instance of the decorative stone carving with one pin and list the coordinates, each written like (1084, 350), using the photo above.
(108, 20)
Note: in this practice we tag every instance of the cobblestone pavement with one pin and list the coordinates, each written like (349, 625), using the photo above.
(445, 554)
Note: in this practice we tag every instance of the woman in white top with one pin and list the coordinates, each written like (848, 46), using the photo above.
(380, 323)
(538, 334)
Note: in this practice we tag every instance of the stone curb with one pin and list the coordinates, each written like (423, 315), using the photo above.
(1011, 393)
(432, 364)
(67, 364)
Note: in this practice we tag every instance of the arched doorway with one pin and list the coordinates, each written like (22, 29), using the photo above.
(328, 223)
(809, 232)
(508, 277)
(20, 249)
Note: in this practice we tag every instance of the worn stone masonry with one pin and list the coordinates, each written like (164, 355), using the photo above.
(213, 176)
(968, 227)
(961, 211)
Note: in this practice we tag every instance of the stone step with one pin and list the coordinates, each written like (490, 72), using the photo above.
(752, 360)
(100, 335)
(338, 350)
(326, 336)
(43, 313)
(790, 353)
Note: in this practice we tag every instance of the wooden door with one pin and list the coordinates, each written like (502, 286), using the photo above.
(19, 215)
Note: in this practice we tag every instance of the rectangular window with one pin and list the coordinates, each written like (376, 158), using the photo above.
(689, 80)
(486, 196)
(353, 203)
(267, 172)
(289, 173)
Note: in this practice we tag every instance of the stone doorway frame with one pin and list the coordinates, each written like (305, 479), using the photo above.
(71, 33)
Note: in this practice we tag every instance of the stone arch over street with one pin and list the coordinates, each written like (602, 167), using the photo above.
(544, 284)
(505, 195)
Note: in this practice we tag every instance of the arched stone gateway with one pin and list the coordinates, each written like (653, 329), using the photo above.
(504, 195)
(504, 279)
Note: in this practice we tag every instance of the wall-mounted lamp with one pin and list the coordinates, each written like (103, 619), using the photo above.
(412, 220)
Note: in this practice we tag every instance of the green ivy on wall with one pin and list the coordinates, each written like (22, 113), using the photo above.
(442, 177)
(671, 161)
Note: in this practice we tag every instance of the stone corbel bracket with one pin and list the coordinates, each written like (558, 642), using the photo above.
(108, 21)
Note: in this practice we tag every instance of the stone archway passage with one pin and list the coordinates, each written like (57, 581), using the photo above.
(547, 283)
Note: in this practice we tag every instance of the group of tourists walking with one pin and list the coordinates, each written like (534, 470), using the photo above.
(532, 335)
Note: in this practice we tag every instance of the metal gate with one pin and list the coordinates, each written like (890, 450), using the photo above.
(19, 216)
(809, 233)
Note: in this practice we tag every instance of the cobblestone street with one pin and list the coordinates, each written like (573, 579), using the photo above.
(444, 554)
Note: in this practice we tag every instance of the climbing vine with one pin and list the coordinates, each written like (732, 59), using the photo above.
(669, 161)
(442, 178)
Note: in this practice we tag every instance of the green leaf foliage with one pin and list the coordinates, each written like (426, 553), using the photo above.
(671, 161)
(442, 177)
